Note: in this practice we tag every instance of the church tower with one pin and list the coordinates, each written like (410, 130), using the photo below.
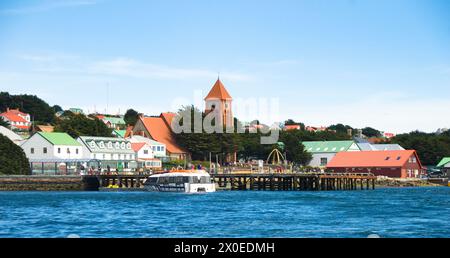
(219, 100)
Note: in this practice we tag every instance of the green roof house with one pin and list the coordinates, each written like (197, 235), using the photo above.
(77, 111)
(114, 122)
(323, 151)
(444, 163)
(52, 147)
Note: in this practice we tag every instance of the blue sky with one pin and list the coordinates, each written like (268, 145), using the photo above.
(384, 64)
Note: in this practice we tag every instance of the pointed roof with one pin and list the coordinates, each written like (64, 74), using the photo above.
(218, 91)
(160, 130)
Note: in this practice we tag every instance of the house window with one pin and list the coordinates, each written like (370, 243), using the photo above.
(44, 150)
(146, 152)
(110, 145)
(76, 150)
(59, 150)
(323, 161)
(32, 150)
(68, 151)
(162, 149)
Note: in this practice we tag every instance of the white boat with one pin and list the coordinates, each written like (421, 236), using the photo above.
(187, 181)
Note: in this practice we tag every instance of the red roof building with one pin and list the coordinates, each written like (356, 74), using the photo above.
(292, 127)
(17, 119)
(159, 129)
(399, 163)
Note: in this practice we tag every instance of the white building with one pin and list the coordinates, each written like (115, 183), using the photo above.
(112, 153)
(52, 146)
(145, 156)
(159, 149)
(323, 152)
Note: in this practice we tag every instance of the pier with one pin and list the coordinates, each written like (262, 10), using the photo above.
(262, 182)
(294, 182)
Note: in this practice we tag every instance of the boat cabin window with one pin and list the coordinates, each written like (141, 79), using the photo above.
(153, 179)
(200, 180)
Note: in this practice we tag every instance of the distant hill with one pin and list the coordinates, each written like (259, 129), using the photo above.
(39, 110)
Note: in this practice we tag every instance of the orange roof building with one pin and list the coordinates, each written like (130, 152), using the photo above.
(17, 119)
(45, 128)
(159, 129)
(220, 101)
(399, 163)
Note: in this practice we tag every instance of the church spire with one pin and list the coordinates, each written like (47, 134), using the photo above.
(218, 91)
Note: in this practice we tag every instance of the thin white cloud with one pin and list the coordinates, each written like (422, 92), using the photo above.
(47, 6)
(133, 68)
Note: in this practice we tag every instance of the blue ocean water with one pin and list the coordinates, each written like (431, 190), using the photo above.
(389, 212)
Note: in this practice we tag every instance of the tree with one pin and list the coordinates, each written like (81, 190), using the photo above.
(340, 128)
(79, 125)
(371, 132)
(12, 158)
(431, 148)
(131, 117)
(57, 108)
(200, 144)
(294, 149)
(39, 110)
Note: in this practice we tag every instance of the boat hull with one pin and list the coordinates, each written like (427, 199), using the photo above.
(184, 188)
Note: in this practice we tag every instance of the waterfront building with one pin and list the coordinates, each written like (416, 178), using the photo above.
(158, 148)
(17, 139)
(43, 146)
(110, 152)
(220, 102)
(323, 151)
(397, 163)
(145, 156)
(17, 120)
(159, 129)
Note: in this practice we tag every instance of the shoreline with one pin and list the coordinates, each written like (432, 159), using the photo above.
(79, 183)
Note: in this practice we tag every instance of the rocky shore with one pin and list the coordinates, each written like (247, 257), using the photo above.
(410, 182)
